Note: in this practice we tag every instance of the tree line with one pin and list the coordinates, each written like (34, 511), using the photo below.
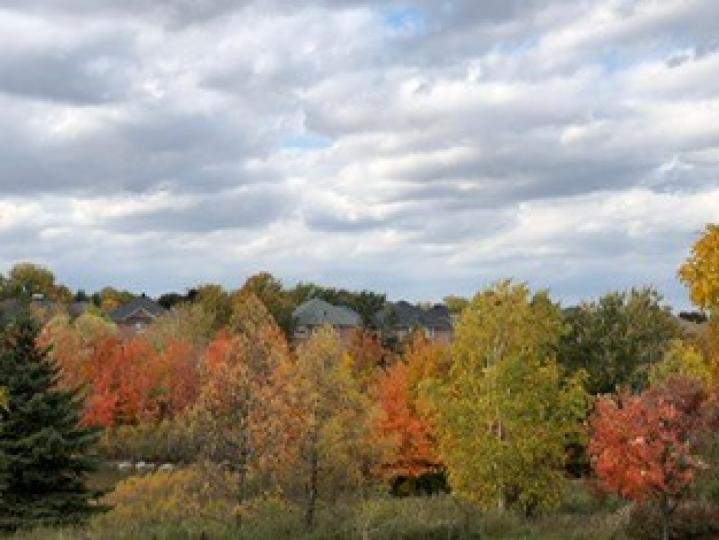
(527, 395)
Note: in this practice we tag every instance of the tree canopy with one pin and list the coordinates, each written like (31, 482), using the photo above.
(617, 338)
(700, 272)
(45, 455)
(506, 413)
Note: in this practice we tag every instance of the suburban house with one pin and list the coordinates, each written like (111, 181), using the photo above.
(398, 319)
(136, 314)
(315, 313)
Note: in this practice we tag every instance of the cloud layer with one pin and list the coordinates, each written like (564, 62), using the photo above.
(420, 147)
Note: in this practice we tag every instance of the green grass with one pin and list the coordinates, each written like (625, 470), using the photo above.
(438, 518)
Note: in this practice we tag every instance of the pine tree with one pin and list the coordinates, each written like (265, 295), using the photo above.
(45, 454)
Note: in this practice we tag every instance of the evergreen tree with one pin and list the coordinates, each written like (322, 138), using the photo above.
(45, 455)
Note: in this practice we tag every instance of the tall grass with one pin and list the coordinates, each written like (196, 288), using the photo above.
(182, 505)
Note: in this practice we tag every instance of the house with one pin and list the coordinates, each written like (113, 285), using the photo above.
(398, 319)
(136, 314)
(315, 313)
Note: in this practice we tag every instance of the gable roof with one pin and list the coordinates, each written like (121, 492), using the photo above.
(140, 303)
(402, 314)
(316, 312)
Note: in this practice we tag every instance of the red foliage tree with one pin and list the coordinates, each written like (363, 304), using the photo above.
(644, 447)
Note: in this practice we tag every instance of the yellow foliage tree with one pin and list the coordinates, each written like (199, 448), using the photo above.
(324, 419)
(680, 359)
(700, 272)
(506, 413)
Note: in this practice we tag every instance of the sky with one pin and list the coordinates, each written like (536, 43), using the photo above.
(419, 148)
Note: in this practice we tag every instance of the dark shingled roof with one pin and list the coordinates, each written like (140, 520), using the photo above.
(316, 312)
(140, 303)
(402, 314)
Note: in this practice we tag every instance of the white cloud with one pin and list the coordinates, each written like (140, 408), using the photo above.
(573, 144)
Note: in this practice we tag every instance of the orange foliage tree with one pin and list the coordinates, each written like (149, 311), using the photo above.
(367, 357)
(231, 413)
(645, 447)
(404, 430)
(124, 382)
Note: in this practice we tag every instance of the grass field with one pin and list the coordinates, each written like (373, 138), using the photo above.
(581, 517)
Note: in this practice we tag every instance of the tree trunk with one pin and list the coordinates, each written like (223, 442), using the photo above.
(665, 511)
(241, 481)
(312, 485)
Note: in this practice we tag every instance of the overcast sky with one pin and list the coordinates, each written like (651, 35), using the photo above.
(420, 148)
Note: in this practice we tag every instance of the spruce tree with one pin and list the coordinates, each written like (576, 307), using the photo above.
(45, 454)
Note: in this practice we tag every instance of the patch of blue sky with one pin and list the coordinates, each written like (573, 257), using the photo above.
(520, 48)
(404, 20)
(613, 60)
(305, 141)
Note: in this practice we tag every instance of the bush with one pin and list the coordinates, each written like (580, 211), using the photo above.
(168, 441)
(582, 497)
(182, 500)
(693, 520)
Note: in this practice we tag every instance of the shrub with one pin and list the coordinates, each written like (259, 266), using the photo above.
(692, 520)
(183, 500)
(168, 441)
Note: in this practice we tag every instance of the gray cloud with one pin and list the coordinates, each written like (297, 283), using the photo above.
(363, 142)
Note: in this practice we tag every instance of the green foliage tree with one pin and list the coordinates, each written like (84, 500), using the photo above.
(617, 338)
(506, 414)
(45, 454)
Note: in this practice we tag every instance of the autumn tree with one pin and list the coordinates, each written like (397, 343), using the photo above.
(26, 279)
(617, 338)
(506, 413)
(269, 290)
(111, 298)
(680, 359)
(231, 415)
(188, 322)
(700, 272)
(404, 431)
(325, 421)
(73, 343)
(455, 304)
(216, 302)
(367, 357)
(646, 447)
